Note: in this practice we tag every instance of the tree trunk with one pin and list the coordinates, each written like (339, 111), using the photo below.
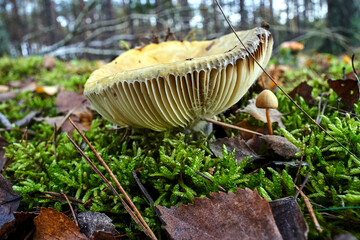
(244, 15)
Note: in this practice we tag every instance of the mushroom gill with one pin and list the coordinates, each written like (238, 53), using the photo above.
(174, 84)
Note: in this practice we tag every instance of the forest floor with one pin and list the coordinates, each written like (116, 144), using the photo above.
(41, 170)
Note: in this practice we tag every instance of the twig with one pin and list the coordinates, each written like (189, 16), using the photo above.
(231, 126)
(145, 192)
(302, 186)
(311, 210)
(60, 196)
(281, 89)
(301, 160)
(108, 185)
(71, 208)
(5, 122)
(209, 179)
(26, 120)
(138, 218)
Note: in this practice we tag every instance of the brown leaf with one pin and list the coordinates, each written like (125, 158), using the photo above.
(244, 215)
(51, 224)
(90, 222)
(66, 126)
(3, 143)
(9, 202)
(303, 90)
(242, 150)
(260, 114)
(347, 90)
(280, 145)
(24, 224)
(289, 219)
(49, 62)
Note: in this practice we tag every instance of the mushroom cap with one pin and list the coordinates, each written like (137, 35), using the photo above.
(175, 83)
(266, 99)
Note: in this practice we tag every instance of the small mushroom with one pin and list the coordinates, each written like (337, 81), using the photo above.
(267, 99)
(177, 83)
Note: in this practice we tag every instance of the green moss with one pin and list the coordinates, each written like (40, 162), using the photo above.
(169, 160)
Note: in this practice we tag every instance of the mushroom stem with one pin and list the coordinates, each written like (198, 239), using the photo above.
(269, 121)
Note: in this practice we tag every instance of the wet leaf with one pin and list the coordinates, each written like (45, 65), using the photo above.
(260, 114)
(3, 143)
(90, 222)
(9, 202)
(51, 224)
(303, 90)
(347, 90)
(244, 215)
(289, 219)
(280, 145)
(242, 150)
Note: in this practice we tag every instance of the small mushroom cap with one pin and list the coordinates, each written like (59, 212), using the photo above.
(266, 99)
(175, 84)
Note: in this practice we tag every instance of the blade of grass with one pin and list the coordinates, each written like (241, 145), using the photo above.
(281, 89)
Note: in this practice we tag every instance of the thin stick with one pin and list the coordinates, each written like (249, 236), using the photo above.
(282, 90)
(132, 205)
(231, 126)
(302, 186)
(301, 160)
(209, 179)
(311, 210)
(126, 206)
(71, 208)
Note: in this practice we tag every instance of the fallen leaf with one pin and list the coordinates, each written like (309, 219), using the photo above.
(260, 114)
(289, 219)
(242, 150)
(49, 90)
(280, 145)
(4, 88)
(3, 143)
(66, 126)
(90, 222)
(303, 90)
(6, 96)
(51, 224)
(248, 125)
(66, 101)
(244, 215)
(49, 62)
(347, 90)
(9, 202)
(23, 225)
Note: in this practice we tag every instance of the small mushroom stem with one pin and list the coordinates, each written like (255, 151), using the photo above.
(269, 121)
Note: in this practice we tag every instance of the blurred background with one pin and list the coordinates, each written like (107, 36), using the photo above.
(102, 29)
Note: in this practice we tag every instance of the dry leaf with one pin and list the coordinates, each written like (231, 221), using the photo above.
(280, 145)
(10, 201)
(303, 90)
(260, 114)
(49, 62)
(66, 126)
(51, 224)
(66, 101)
(4, 88)
(289, 219)
(244, 215)
(90, 222)
(347, 90)
(49, 90)
(242, 150)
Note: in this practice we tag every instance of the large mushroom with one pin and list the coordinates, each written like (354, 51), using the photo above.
(176, 83)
